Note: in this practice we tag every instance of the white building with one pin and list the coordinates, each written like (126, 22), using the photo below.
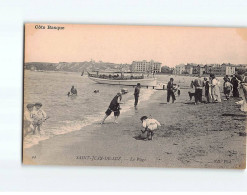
(144, 66)
(228, 69)
(179, 69)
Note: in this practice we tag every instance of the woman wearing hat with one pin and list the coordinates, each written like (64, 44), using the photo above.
(113, 107)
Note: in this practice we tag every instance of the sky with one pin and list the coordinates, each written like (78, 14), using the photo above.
(123, 44)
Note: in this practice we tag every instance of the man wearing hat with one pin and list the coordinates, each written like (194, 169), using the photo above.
(136, 93)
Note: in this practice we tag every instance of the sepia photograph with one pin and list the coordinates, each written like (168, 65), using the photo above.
(134, 96)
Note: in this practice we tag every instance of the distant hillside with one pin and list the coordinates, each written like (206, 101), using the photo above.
(76, 66)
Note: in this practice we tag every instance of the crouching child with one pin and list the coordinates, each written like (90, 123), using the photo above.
(150, 125)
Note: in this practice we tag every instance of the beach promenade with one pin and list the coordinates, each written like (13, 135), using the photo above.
(204, 136)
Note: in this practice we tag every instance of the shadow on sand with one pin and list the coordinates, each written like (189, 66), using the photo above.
(140, 137)
(237, 115)
(190, 103)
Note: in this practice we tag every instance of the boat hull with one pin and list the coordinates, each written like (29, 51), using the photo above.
(144, 82)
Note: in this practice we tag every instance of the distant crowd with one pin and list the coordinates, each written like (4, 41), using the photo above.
(210, 87)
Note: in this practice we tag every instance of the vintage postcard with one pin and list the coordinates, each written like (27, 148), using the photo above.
(139, 96)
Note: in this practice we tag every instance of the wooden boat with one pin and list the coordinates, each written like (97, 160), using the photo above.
(120, 78)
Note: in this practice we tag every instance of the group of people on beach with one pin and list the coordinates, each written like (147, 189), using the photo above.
(34, 117)
(212, 87)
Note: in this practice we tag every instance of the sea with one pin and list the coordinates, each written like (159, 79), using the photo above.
(67, 114)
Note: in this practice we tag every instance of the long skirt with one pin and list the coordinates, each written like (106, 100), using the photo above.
(216, 94)
(210, 97)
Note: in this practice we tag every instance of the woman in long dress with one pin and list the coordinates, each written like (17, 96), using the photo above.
(216, 89)
(210, 97)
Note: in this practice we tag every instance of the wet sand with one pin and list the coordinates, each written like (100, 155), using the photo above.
(200, 136)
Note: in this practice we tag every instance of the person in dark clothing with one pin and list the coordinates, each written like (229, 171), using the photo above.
(234, 82)
(170, 91)
(136, 93)
(113, 107)
(198, 90)
(73, 90)
(227, 88)
(206, 85)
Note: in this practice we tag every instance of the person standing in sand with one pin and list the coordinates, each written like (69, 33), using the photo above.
(198, 90)
(137, 93)
(113, 107)
(170, 91)
(215, 89)
(206, 85)
(235, 84)
(227, 88)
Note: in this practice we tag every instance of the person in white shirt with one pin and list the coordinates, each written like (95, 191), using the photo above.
(215, 89)
(38, 116)
(150, 125)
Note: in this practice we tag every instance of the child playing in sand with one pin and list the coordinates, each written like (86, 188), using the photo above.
(27, 125)
(39, 116)
(150, 125)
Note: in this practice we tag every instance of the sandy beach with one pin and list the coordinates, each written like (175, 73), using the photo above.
(199, 136)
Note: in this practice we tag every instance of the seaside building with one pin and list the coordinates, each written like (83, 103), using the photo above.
(180, 69)
(198, 69)
(201, 69)
(220, 69)
(145, 66)
(216, 69)
(228, 69)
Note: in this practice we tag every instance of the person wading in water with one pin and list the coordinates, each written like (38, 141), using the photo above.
(113, 107)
